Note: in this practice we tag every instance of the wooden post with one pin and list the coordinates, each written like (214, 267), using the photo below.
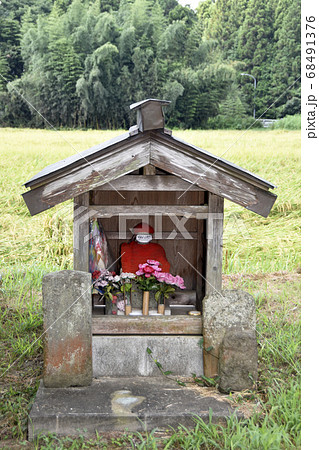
(149, 170)
(214, 261)
(81, 229)
(213, 283)
(200, 289)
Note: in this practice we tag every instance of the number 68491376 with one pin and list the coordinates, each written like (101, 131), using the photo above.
(310, 47)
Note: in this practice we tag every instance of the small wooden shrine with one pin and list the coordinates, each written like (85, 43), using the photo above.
(148, 175)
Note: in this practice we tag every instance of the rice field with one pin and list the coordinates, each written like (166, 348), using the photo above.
(251, 243)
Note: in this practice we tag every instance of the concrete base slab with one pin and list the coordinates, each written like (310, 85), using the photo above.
(126, 356)
(120, 404)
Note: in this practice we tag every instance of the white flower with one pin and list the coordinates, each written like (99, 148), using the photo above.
(128, 275)
(116, 278)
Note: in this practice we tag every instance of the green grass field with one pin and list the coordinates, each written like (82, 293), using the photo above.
(261, 256)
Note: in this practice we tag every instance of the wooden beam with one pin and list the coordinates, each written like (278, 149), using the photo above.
(149, 170)
(149, 183)
(170, 235)
(211, 178)
(105, 211)
(81, 229)
(162, 325)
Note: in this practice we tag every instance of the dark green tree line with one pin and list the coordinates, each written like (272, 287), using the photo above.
(81, 63)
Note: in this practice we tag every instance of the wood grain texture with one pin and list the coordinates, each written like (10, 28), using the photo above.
(103, 211)
(211, 178)
(88, 176)
(214, 262)
(149, 183)
(209, 159)
(81, 229)
(164, 235)
(200, 269)
(149, 170)
(162, 325)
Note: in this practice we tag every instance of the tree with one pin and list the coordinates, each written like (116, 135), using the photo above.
(96, 89)
(4, 72)
(10, 46)
(222, 21)
(286, 58)
(255, 49)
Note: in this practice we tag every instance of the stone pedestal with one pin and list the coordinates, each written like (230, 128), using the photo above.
(67, 323)
(230, 345)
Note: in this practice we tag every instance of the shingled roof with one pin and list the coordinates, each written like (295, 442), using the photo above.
(137, 148)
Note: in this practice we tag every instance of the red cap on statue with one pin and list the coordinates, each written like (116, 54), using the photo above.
(143, 228)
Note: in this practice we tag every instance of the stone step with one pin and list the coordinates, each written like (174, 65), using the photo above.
(120, 404)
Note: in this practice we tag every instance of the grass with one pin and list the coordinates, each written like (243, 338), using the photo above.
(261, 256)
(288, 123)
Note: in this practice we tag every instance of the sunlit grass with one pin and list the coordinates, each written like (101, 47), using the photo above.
(251, 243)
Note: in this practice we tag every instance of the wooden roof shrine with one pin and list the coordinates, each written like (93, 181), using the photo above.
(178, 187)
(148, 175)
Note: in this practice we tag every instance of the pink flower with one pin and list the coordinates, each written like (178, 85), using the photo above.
(169, 278)
(147, 275)
(153, 262)
(160, 276)
(179, 281)
(140, 272)
(148, 269)
(157, 274)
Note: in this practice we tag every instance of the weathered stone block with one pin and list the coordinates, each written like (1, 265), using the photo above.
(238, 359)
(67, 321)
(221, 312)
(120, 356)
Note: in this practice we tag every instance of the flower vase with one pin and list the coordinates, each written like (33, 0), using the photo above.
(161, 305)
(128, 302)
(146, 303)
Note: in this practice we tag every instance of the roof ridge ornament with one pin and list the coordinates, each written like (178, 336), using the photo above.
(150, 114)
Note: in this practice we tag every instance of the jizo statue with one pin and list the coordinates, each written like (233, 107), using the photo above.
(141, 248)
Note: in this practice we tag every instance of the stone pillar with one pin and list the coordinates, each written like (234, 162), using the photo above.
(229, 332)
(67, 311)
(238, 359)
